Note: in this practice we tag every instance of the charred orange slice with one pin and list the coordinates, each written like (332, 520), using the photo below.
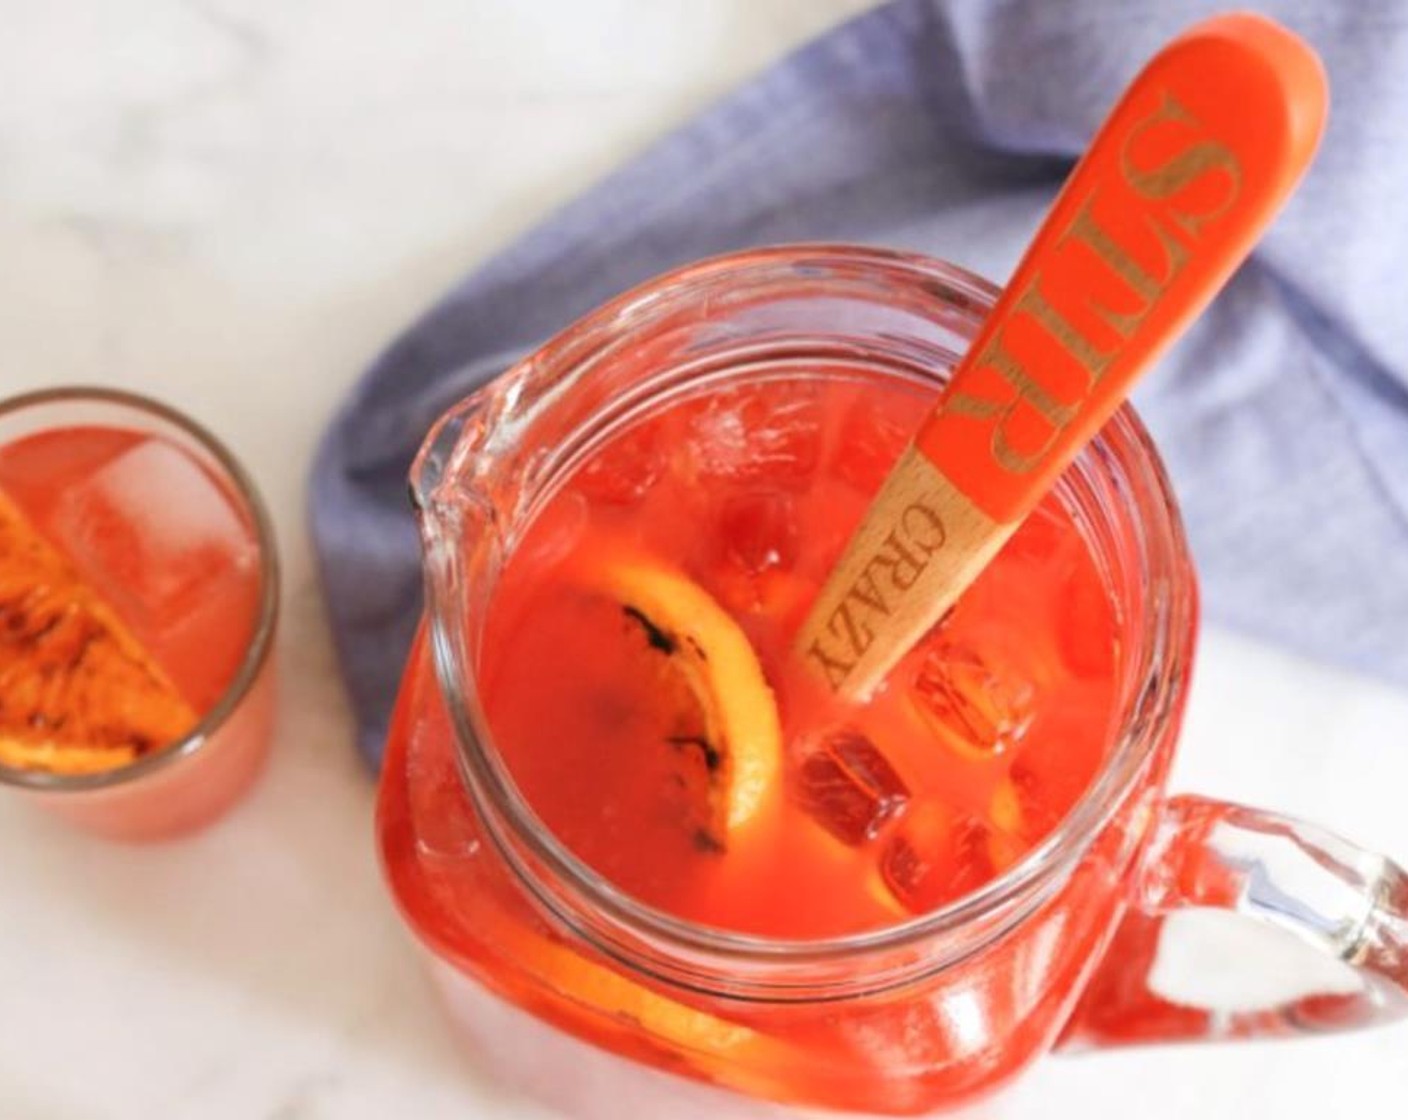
(592, 999)
(78, 693)
(597, 988)
(703, 655)
(1010, 834)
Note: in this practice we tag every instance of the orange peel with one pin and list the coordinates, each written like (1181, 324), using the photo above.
(710, 652)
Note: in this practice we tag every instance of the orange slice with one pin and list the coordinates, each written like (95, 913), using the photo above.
(595, 1001)
(78, 694)
(709, 656)
(598, 989)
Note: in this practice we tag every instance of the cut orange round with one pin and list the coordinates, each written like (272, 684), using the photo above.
(591, 998)
(78, 693)
(702, 654)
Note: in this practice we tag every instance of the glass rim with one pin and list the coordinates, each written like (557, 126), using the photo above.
(261, 640)
(1145, 705)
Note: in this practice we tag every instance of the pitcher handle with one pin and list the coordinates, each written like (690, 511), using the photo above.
(1279, 877)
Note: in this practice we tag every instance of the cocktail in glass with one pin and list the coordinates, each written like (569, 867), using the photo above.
(139, 597)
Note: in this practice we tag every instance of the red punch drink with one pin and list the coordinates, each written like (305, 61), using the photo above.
(725, 513)
(623, 822)
(136, 595)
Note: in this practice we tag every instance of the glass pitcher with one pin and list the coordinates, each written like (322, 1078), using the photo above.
(597, 1003)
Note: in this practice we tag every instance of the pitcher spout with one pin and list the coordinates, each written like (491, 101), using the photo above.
(440, 462)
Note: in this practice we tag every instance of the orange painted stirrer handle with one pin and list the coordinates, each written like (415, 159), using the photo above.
(1176, 187)
(1189, 168)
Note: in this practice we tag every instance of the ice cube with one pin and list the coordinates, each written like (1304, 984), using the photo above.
(1086, 627)
(1008, 837)
(1006, 809)
(1019, 801)
(1060, 583)
(1043, 537)
(554, 532)
(769, 432)
(1050, 773)
(848, 787)
(968, 703)
(776, 598)
(624, 470)
(444, 822)
(936, 856)
(871, 441)
(151, 528)
(759, 531)
(40, 465)
(162, 540)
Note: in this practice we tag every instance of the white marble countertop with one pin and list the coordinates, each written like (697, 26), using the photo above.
(232, 206)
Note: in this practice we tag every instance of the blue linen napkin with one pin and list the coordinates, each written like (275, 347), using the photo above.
(946, 127)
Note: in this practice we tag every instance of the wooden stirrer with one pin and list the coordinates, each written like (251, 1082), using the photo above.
(1178, 184)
